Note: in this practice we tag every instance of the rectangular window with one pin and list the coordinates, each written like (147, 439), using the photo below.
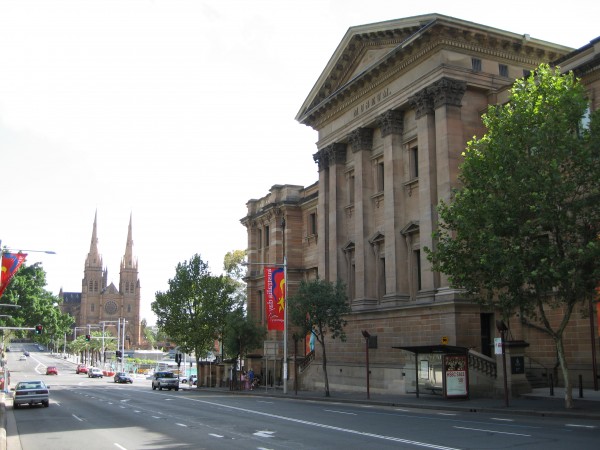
(418, 266)
(351, 189)
(267, 237)
(312, 223)
(414, 162)
(476, 64)
(382, 277)
(526, 73)
(261, 308)
(259, 238)
(503, 70)
(380, 177)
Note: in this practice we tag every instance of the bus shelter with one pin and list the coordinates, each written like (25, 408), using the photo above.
(441, 368)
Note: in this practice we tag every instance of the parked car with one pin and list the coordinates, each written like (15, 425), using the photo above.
(81, 368)
(167, 380)
(51, 370)
(31, 392)
(122, 377)
(94, 372)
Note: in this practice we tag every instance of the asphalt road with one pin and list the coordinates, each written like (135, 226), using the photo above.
(99, 414)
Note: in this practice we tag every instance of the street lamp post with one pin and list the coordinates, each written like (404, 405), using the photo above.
(367, 335)
(285, 308)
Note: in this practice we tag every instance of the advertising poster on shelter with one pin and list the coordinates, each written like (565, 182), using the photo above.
(457, 380)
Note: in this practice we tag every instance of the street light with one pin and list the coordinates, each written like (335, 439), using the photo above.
(367, 336)
(285, 308)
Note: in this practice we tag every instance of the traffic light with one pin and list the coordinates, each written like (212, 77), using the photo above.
(119, 353)
(88, 337)
(39, 329)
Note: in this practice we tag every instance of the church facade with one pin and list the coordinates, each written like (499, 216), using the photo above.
(102, 304)
(394, 108)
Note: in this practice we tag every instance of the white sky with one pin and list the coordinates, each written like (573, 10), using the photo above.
(178, 112)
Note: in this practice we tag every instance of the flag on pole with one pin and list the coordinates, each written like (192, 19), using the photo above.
(275, 298)
(10, 264)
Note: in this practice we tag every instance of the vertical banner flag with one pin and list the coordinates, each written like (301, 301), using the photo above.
(275, 298)
(10, 263)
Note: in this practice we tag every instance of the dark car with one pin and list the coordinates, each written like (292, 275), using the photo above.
(122, 377)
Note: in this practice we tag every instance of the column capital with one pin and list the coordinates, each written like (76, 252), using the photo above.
(391, 122)
(447, 92)
(422, 102)
(330, 155)
(361, 139)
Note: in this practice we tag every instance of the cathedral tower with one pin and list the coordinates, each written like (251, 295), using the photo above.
(105, 304)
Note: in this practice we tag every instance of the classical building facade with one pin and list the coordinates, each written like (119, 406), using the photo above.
(394, 109)
(102, 304)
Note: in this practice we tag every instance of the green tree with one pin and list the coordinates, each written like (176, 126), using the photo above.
(37, 306)
(242, 334)
(193, 311)
(318, 307)
(522, 232)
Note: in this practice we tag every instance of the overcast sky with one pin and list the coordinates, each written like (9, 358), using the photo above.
(178, 113)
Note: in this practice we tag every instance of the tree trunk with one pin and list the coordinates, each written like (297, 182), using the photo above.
(565, 371)
(325, 368)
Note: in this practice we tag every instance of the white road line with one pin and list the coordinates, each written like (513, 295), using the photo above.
(579, 426)
(320, 425)
(493, 431)
(446, 414)
(502, 420)
(181, 424)
(78, 418)
(340, 412)
(120, 446)
(215, 435)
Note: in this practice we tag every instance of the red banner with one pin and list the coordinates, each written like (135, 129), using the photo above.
(275, 298)
(10, 263)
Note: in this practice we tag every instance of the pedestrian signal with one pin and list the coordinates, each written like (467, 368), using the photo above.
(39, 329)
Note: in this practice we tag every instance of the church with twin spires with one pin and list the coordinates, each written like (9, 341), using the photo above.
(102, 303)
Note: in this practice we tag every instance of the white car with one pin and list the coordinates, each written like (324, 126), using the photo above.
(31, 392)
(94, 372)
(22, 358)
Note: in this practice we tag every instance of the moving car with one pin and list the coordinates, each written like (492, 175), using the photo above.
(81, 368)
(22, 358)
(167, 380)
(31, 392)
(51, 370)
(122, 377)
(26, 353)
(94, 372)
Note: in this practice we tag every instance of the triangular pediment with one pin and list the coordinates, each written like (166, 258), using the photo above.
(369, 55)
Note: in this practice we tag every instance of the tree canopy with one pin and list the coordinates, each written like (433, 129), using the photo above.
(522, 231)
(319, 307)
(37, 306)
(193, 310)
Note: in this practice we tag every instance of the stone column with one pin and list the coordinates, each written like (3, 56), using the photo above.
(391, 124)
(447, 95)
(424, 114)
(362, 143)
(322, 210)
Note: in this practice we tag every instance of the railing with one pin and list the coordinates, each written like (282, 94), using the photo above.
(483, 364)
(303, 365)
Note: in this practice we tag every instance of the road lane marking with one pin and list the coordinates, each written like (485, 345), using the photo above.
(579, 426)
(215, 435)
(493, 431)
(78, 418)
(340, 412)
(320, 425)
(502, 419)
(181, 424)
